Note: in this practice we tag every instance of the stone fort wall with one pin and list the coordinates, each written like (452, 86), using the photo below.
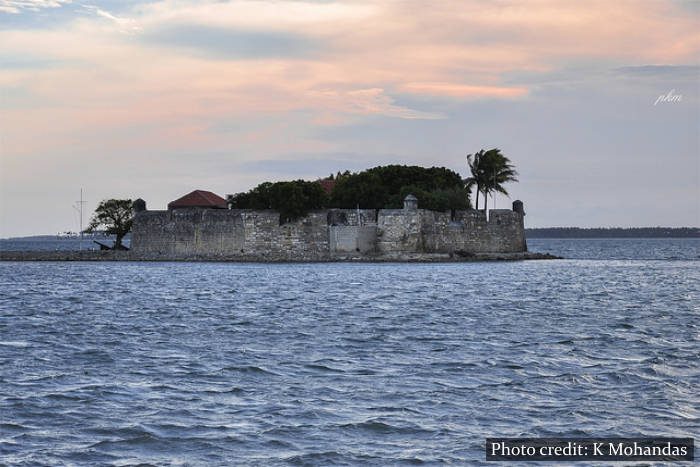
(326, 234)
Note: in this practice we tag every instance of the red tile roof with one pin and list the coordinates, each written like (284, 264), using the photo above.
(199, 199)
(327, 185)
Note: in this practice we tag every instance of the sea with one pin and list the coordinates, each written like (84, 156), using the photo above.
(175, 364)
(58, 243)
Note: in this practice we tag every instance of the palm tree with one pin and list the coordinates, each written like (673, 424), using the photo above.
(477, 178)
(490, 170)
(498, 170)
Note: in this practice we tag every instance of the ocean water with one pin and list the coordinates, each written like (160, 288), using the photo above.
(54, 243)
(619, 248)
(345, 364)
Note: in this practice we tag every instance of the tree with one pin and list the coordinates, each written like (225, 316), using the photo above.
(115, 216)
(477, 178)
(437, 188)
(364, 189)
(382, 187)
(497, 170)
(292, 199)
(490, 170)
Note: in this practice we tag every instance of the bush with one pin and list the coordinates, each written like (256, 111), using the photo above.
(292, 199)
(436, 188)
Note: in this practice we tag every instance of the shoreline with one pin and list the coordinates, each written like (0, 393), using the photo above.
(98, 255)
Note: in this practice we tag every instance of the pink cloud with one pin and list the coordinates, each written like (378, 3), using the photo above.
(463, 90)
(106, 82)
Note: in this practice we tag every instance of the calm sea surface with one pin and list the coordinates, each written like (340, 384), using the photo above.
(357, 364)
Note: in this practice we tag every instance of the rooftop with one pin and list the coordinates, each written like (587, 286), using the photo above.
(199, 199)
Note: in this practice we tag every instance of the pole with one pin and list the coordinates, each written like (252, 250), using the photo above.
(80, 211)
(81, 219)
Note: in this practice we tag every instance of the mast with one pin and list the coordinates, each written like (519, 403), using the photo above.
(81, 219)
(79, 208)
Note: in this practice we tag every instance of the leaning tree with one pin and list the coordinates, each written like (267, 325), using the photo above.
(115, 216)
(477, 178)
(490, 170)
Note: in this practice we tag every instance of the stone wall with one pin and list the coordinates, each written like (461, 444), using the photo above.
(353, 238)
(231, 233)
(352, 216)
(399, 230)
(470, 232)
(326, 234)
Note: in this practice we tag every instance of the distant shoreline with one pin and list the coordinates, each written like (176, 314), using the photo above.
(613, 232)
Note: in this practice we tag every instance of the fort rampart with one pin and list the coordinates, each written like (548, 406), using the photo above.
(326, 234)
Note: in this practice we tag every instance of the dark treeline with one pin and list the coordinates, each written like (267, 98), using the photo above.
(614, 232)
(436, 188)
(385, 187)
(292, 199)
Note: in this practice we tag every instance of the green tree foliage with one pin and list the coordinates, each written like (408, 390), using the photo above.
(115, 216)
(436, 188)
(457, 197)
(477, 176)
(489, 171)
(381, 187)
(364, 189)
(292, 199)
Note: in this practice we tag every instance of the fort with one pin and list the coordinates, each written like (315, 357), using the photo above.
(209, 229)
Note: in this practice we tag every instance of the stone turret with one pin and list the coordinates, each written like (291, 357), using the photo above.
(410, 202)
(139, 205)
(518, 207)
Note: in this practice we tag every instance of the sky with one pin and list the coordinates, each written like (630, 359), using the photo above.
(595, 102)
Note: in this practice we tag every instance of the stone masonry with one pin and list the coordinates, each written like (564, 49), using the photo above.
(326, 234)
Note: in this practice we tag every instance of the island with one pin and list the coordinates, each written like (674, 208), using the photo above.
(387, 213)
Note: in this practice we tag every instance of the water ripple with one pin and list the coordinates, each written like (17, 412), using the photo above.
(339, 364)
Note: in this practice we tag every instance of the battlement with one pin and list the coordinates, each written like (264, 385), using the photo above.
(326, 234)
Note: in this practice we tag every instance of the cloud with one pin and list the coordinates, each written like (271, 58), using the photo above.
(220, 42)
(257, 79)
(194, 64)
(20, 62)
(463, 91)
(16, 6)
(126, 25)
(371, 101)
(663, 71)
(260, 14)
